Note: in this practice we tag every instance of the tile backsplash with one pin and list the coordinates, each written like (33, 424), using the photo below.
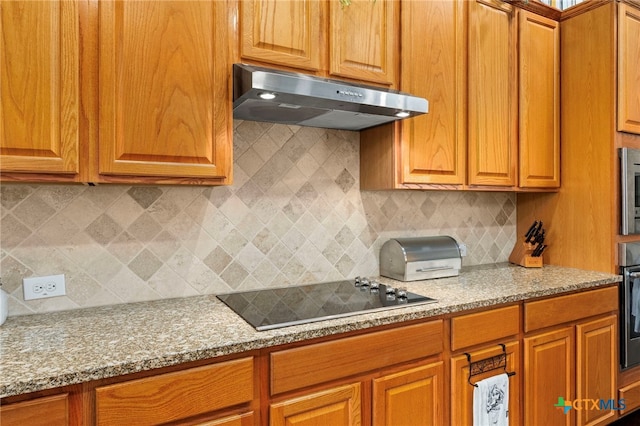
(294, 215)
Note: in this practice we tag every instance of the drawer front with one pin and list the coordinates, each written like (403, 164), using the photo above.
(173, 396)
(321, 362)
(483, 327)
(572, 307)
(50, 410)
(631, 396)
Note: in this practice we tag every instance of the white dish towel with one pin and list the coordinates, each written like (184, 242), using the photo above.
(491, 401)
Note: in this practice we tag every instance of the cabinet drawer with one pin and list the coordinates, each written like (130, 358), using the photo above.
(561, 309)
(482, 327)
(321, 362)
(246, 419)
(50, 410)
(631, 396)
(172, 396)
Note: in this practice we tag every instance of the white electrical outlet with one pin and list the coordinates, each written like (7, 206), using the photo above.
(43, 287)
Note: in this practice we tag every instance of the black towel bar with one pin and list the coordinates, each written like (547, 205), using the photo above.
(488, 364)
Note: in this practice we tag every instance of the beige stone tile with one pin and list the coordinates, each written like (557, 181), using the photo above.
(234, 242)
(128, 287)
(12, 195)
(81, 288)
(234, 275)
(182, 262)
(13, 272)
(217, 260)
(12, 232)
(234, 209)
(250, 257)
(125, 247)
(308, 255)
(250, 162)
(165, 245)
(104, 268)
(104, 229)
(145, 196)
(124, 211)
(33, 211)
(267, 147)
(280, 134)
(200, 244)
(250, 226)
(83, 250)
(58, 230)
(264, 273)
(168, 284)
(145, 264)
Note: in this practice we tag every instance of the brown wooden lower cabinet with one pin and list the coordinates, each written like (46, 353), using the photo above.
(462, 390)
(44, 411)
(597, 368)
(570, 356)
(548, 375)
(339, 406)
(411, 397)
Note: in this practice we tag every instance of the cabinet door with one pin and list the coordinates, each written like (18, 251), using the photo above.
(338, 406)
(363, 40)
(549, 370)
(462, 391)
(164, 90)
(411, 397)
(45, 411)
(284, 32)
(39, 87)
(628, 69)
(493, 89)
(434, 67)
(539, 93)
(597, 367)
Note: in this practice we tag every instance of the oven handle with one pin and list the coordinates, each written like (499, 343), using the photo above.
(634, 275)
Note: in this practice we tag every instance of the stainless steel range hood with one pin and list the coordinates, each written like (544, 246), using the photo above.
(263, 94)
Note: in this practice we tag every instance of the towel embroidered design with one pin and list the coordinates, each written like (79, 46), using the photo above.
(495, 402)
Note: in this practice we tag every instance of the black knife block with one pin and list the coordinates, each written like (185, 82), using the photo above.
(521, 255)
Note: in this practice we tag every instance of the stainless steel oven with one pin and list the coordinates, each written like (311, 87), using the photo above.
(630, 304)
(630, 191)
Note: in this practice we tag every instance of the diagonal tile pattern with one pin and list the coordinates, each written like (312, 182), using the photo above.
(294, 215)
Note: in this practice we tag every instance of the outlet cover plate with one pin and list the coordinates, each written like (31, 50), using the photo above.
(43, 287)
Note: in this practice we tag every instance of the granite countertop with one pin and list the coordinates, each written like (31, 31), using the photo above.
(45, 351)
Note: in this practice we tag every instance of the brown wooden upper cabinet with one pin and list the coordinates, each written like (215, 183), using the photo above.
(323, 37)
(493, 102)
(433, 146)
(40, 88)
(539, 93)
(628, 69)
(463, 57)
(116, 91)
(164, 98)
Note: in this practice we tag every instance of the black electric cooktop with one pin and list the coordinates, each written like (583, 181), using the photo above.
(280, 307)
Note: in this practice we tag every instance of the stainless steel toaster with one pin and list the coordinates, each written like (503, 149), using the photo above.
(420, 258)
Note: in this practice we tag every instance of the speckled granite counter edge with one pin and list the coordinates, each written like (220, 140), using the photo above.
(285, 336)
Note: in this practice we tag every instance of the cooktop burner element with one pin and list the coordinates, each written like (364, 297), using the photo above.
(281, 307)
